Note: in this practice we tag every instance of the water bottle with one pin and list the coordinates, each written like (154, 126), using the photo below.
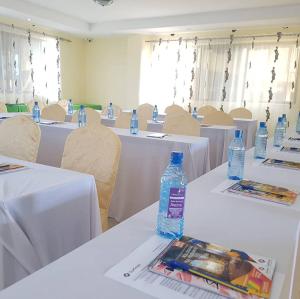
(134, 123)
(279, 133)
(236, 157)
(81, 117)
(155, 113)
(110, 111)
(70, 107)
(261, 139)
(36, 113)
(298, 124)
(284, 121)
(195, 113)
(170, 218)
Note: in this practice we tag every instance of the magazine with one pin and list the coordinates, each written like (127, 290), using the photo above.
(4, 168)
(290, 149)
(282, 164)
(264, 191)
(228, 272)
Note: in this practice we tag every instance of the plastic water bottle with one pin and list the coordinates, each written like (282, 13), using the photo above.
(261, 139)
(110, 111)
(236, 157)
(195, 113)
(170, 218)
(298, 124)
(70, 107)
(134, 123)
(36, 113)
(284, 121)
(155, 113)
(279, 133)
(81, 117)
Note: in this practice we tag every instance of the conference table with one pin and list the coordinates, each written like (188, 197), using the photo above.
(219, 138)
(45, 213)
(258, 227)
(142, 163)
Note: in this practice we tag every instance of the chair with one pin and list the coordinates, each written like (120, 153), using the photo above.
(240, 113)
(95, 150)
(182, 124)
(174, 110)
(3, 108)
(117, 110)
(123, 120)
(92, 117)
(20, 138)
(218, 118)
(144, 112)
(54, 112)
(63, 104)
(206, 110)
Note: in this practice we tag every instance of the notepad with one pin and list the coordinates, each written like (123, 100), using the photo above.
(157, 135)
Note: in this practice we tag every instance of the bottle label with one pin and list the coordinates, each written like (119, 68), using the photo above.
(176, 203)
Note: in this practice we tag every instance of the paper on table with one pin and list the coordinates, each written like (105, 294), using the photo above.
(133, 271)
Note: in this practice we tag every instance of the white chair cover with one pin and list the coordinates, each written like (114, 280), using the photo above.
(174, 109)
(144, 112)
(182, 124)
(218, 118)
(63, 104)
(240, 113)
(95, 150)
(206, 110)
(20, 138)
(3, 108)
(54, 112)
(92, 117)
(123, 121)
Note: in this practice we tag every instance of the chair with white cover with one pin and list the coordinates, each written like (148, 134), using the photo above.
(95, 150)
(144, 113)
(123, 120)
(92, 117)
(174, 110)
(64, 104)
(182, 124)
(20, 138)
(54, 112)
(218, 118)
(117, 110)
(206, 110)
(240, 113)
(3, 108)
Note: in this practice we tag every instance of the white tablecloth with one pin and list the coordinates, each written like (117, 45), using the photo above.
(264, 229)
(143, 160)
(45, 213)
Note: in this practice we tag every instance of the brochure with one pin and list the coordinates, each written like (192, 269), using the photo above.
(282, 164)
(157, 135)
(290, 149)
(264, 191)
(4, 168)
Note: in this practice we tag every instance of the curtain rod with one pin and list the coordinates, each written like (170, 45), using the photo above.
(25, 31)
(223, 38)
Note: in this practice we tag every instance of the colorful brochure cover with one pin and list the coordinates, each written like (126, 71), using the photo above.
(216, 268)
(10, 167)
(282, 164)
(264, 191)
(290, 149)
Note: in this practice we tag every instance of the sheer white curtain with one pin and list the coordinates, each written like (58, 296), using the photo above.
(29, 67)
(226, 72)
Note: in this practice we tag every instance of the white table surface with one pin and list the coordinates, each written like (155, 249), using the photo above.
(250, 225)
(142, 163)
(47, 213)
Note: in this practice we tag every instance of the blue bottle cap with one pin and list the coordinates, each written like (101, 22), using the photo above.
(176, 158)
(280, 119)
(238, 133)
(156, 107)
(283, 115)
(134, 111)
(110, 104)
(262, 124)
(195, 108)
(70, 100)
(35, 103)
(81, 107)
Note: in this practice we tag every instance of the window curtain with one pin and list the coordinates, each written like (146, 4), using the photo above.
(29, 67)
(257, 73)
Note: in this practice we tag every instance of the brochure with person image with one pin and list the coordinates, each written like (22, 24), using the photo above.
(264, 191)
(282, 164)
(228, 272)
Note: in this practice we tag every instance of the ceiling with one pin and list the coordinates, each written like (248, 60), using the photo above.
(86, 18)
